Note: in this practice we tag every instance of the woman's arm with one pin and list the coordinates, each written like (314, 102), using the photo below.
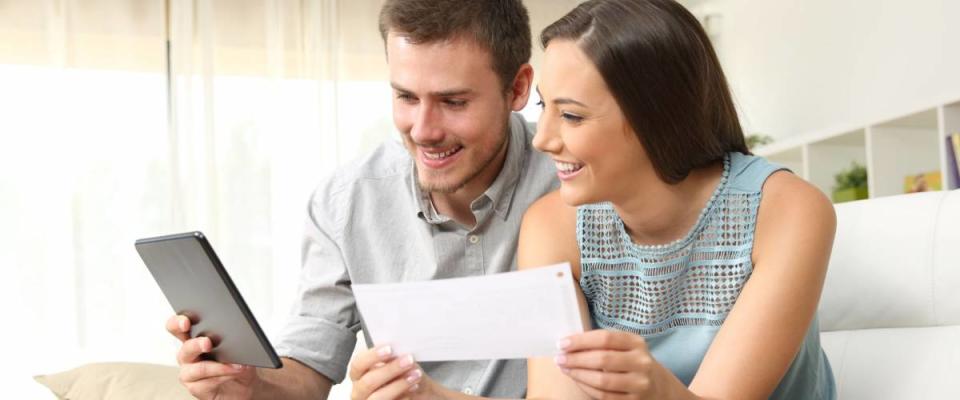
(548, 236)
(765, 328)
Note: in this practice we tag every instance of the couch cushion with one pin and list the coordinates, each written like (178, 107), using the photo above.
(116, 381)
(894, 263)
(899, 363)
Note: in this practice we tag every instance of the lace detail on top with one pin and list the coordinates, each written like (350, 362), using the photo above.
(693, 281)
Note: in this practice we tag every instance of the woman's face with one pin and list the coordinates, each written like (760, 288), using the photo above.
(598, 156)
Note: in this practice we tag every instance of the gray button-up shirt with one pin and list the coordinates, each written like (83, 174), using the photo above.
(370, 223)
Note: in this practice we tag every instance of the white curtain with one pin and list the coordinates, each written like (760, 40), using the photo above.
(121, 119)
(106, 137)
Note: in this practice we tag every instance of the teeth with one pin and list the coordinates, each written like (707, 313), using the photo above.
(437, 156)
(568, 167)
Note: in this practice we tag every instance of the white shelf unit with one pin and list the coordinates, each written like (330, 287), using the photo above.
(891, 150)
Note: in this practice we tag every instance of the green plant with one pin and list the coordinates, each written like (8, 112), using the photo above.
(758, 139)
(853, 177)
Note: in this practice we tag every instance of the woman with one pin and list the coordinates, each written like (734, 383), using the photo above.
(702, 264)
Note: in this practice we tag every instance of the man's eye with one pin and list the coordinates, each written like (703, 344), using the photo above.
(540, 104)
(405, 97)
(455, 103)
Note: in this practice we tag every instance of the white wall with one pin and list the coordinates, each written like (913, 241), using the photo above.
(797, 66)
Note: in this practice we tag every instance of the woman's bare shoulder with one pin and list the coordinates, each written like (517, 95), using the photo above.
(785, 194)
(548, 233)
(792, 211)
(550, 210)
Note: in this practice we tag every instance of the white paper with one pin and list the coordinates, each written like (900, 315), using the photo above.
(510, 315)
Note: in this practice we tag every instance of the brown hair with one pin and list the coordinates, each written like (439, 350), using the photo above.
(500, 26)
(658, 63)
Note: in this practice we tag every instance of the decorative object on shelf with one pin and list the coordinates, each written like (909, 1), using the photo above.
(953, 159)
(923, 182)
(850, 184)
(758, 139)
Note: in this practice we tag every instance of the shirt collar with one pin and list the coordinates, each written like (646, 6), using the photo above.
(502, 189)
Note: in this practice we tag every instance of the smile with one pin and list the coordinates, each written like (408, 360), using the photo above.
(567, 171)
(442, 155)
(568, 167)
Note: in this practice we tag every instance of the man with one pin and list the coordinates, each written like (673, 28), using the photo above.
(447, 203)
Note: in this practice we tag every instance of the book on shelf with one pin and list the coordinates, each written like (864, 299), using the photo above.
(953, 159)
(922, 182)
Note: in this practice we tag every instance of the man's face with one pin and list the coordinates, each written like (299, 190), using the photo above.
(451, 110)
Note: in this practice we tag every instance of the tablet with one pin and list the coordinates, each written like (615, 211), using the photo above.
(197, 286)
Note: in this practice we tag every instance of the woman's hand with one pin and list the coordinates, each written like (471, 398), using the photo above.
(617, 365)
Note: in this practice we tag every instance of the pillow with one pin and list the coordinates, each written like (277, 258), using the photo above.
(116, 381)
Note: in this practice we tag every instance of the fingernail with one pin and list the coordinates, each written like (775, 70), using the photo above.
(414, 387)
(563, 344)
(406, 361)
(206, 345)
(384, 351)
(560, 359)
(237, 366)
(565, 370)
(414, 376)
(183, 324)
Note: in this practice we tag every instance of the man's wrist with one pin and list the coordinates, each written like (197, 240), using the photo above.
(258, 387)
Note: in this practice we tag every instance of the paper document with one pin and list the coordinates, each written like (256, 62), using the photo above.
(510, 315)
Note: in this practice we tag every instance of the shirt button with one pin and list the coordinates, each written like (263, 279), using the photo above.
(467, 391)
(474, 239)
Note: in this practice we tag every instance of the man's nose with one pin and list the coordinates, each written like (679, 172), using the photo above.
(426, 127)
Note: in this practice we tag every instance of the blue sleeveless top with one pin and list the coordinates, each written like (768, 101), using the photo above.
(677, 295)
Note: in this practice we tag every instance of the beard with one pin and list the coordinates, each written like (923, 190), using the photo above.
(473, 170)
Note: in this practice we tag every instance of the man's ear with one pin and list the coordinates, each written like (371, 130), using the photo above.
(519, 90)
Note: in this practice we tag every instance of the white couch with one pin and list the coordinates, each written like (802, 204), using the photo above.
(890, 310)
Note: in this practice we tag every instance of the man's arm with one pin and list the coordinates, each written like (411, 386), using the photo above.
(206, 379)
(317, 340)
(320, 333)
(293, 381)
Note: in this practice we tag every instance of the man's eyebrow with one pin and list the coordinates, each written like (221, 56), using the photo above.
(561, 100)
(452, 92)
(442, 93)
(399, 88)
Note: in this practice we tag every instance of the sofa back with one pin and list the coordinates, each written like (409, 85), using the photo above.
(890, 309)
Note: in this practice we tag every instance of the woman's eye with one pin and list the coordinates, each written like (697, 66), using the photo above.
(540, 104)
(571, 117)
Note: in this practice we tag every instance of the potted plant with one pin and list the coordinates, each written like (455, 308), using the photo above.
(850, 184)
(757, 139)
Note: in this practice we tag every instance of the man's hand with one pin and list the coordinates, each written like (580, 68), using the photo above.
(379, 374)
(208, 379)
